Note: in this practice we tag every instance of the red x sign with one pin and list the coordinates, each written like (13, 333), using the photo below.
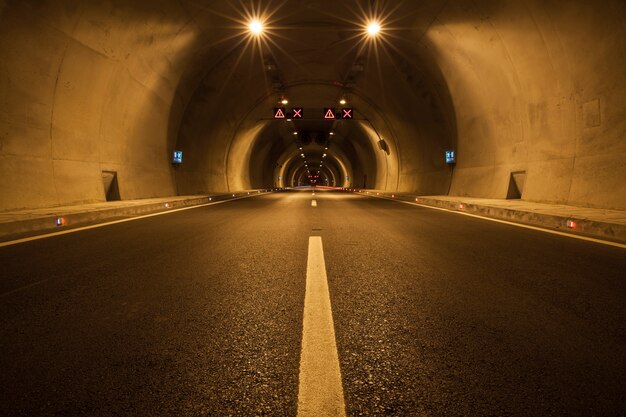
(296, 112)
(346, 113)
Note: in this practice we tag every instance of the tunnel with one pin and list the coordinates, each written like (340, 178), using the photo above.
(531, 88)
(482, 107)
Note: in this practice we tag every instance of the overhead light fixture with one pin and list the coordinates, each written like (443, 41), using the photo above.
(284, 101)
(295, 133)
(373, 28)
(324, 156)
(331, 133)
(256, 27)
(342, 101)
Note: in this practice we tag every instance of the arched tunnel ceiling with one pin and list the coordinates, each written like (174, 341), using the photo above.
(534, 87)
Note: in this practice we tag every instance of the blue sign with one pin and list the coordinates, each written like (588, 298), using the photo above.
(178, 157)
(450, 157)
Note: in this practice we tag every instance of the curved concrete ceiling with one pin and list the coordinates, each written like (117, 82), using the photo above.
(534, 87)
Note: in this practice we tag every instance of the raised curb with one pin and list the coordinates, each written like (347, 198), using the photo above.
(69, 218)
(573, 224)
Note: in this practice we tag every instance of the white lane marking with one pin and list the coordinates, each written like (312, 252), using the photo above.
(525, 226)
(320, 392)
(130, 219)
(313, 203)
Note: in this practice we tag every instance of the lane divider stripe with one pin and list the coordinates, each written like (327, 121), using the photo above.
(320, 391)
(313, 203)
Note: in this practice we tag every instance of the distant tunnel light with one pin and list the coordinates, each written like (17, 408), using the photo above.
(256, 27)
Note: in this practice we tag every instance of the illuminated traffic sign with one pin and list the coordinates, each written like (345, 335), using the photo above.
(329, 113)
(178, 157)
(279, 112)
(347, 113)
(296, 112)
(450, 157)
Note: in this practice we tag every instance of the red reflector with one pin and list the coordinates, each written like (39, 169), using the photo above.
(571, 224)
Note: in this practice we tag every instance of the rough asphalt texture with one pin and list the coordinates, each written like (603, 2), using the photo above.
(200, 313)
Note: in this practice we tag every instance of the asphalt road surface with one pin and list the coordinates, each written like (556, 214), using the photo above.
(200, 312)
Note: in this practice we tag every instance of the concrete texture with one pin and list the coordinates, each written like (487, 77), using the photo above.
(513, 86)
(599, 223)
(18, 224)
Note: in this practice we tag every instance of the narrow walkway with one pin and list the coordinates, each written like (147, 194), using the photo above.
(600, 223)
(42, 220)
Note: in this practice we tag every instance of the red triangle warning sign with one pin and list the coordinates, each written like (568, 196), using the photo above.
(279, 113)
(329, 113)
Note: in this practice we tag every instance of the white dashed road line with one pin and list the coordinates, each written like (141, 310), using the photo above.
(313, 203)
(320, 391)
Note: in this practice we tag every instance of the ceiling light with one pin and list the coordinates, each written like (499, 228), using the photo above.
(373, 28)
(284, 101)
(295, 133)
(342, 101)
(256, 27)
(332, 133)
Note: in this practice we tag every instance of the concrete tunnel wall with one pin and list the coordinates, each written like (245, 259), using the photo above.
(512, 86)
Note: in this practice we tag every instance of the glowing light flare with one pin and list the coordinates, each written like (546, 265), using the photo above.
(373, 29)
(256, 27)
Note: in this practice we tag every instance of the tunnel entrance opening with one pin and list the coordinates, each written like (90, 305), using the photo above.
(111, 188)
(516, 185)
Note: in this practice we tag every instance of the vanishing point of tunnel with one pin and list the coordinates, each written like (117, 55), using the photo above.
(312, 208)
